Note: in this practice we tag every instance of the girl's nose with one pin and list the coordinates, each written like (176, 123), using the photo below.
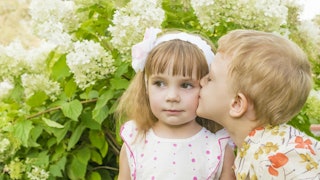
(173, 95)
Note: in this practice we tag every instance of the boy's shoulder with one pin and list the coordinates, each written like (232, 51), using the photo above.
(282, 150)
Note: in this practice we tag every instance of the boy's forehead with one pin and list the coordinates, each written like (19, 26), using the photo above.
(219, 64)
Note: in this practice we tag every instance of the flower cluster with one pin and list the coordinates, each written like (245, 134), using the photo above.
(245, 13)
(12, 61)
(313, 103)
(33, 83)
(17, 60)
(37, 174)
(5, 87)
(130, 22)
(89, 62)
(4, 146)
(53, 20)
(15, 169)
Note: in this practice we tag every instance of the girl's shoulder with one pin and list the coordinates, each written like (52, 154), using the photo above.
(129, 131)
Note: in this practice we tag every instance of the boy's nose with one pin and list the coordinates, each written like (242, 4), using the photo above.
(203, 81)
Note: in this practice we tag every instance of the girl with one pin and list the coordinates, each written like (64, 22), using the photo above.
(163, 140)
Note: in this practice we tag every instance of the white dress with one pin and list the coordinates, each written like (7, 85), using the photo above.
(199, 157)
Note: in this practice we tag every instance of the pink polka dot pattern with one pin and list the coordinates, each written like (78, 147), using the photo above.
(154, 157)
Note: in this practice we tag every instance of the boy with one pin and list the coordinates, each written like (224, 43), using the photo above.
(258, 82)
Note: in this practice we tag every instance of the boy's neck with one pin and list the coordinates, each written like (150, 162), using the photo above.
(240, 129)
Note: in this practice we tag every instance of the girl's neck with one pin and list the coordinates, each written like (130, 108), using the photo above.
(176, 131)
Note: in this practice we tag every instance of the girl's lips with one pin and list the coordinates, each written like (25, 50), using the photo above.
(169, 111)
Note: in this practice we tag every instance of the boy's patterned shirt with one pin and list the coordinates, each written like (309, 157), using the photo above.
(278, 152)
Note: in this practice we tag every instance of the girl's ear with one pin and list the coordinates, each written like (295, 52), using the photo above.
(239, 106)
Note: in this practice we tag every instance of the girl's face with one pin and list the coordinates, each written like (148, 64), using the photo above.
(173, 99)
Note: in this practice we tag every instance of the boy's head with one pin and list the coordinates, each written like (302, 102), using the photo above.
(272, 72)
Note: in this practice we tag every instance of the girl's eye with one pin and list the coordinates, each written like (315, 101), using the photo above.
(187, 85)
(159, 83)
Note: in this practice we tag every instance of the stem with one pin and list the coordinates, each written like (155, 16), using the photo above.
(106, 167)
(113, 143)
(57, 108)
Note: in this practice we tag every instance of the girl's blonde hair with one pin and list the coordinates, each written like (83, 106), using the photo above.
(185, 58)
(273, 72)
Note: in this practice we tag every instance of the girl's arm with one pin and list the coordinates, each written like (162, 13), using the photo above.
(124, 170)
(228, 161)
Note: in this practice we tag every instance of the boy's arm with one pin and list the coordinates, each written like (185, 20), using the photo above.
(228, 161)
(124, 170)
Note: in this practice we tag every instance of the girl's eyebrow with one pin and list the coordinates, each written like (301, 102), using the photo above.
(159, 76)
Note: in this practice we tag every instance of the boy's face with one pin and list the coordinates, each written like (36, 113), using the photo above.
(215, 94)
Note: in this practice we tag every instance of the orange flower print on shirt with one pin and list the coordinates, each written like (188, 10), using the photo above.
(304, 144)
(277, 161)
(252, 133)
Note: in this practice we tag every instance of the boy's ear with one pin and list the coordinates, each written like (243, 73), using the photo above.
(239, 106)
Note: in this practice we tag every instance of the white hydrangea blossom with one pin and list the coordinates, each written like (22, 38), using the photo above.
(5, 87)
(311, 30)
(33, 83)
(89, 62)
(54, 33)
(4, 144)
(274, 8)
(37, 174)
(62, 11)
(52, 20)
(253, 14)
(4, 149)
(35, 59)
(12, 60)
(130, 22)
(314, 93)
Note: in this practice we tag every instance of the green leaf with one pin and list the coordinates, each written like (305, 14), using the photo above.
(90, 95)
(60, 69)
(57, 168)
(22, 130)
(99, 115)
(72, 109)
(76, 136)
(94, 176)
(61, 133)
(100, 112)
(97, 139)
(78, 166)
(104, 149)
(41, 159)
(37, 99)
(86, 119)
(119, 83)
(70, 88)
(34, 135)
(96, 157)
(51, 123)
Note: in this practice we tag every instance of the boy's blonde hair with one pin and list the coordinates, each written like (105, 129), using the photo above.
(184, 57)
(271, 71)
